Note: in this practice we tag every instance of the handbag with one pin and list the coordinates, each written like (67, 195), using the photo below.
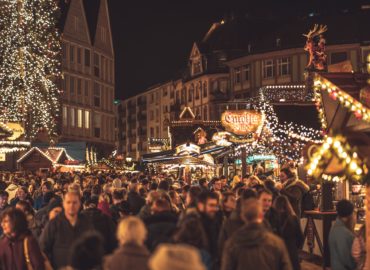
(47, 263)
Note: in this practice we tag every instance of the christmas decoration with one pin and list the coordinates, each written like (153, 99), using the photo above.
(315, 45)
(30, 65)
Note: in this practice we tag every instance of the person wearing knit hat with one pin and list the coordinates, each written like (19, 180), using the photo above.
(176, 257)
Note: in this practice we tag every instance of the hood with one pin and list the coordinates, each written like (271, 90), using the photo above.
(250, 235)
(299, 183)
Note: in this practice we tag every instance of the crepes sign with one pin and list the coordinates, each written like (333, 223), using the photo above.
(242, 122)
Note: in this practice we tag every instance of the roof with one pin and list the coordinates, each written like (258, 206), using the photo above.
(53, 154)
(351, 83)
(91, 8)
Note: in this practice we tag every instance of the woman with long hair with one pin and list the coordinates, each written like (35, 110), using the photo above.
(290, 229)
(19, 250)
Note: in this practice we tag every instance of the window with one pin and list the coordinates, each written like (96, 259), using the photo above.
(72, 85)
(103, 34)
(151, 132)
(65, 83)
(96, 65)
(97, 124)
(87, 88)
(283, 66)
(96, 95)
(79, 118)
(151, 115)
(268, 68)
(78, 55)
(172, 93)
(87, 57)
(71, 54)
(165, 92)
(237, 75)
(76, 23)
(205, 113)
(157, 114)
(64, 51)
(190, 95)
(223, 86)
(87, 119)
(65, 116)
(205, 92)
(337, 57)
(73, 117)
(157, 131)
(246, 72)
(197, 92)
(79, 87)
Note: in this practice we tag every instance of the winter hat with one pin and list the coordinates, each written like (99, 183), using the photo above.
(176, 257)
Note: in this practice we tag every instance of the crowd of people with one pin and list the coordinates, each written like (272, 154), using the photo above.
(136, 221)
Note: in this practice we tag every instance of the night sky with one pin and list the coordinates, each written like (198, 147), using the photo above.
(153, 38)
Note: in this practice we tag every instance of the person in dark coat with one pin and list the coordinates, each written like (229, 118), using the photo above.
(234, 222)
(16, 233)
(87, 252)
(253, 246)
(290, 229)
(61, 232)
(132, 253)
(211, 219)
(45, 196)
(271, 219)
(134, 199)
(294, 189)
(101, 223)
(161, 225)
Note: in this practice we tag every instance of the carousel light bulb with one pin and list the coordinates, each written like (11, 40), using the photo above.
(359, 171)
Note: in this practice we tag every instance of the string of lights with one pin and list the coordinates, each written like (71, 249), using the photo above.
(30, 65)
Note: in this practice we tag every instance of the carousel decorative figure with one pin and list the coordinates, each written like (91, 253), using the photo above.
(315, 45)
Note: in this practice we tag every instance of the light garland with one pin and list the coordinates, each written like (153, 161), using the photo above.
(30, 65)
(338, 147)
(357, 108)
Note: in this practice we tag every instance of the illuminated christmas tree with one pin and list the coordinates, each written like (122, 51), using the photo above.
(30, 65)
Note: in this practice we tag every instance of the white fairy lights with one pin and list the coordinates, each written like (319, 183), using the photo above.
(30, 65)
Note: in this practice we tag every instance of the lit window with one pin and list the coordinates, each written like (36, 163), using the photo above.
(268, 69)
(87, 119)
(65, 116)
(79, 118)
(73, 119)
(283, 66)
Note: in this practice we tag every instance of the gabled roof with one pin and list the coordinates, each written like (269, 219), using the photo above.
(187, 113)
(64, 7)
(53, 154)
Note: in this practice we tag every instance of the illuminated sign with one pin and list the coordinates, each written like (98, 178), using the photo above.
(242, 122)
(17, 129)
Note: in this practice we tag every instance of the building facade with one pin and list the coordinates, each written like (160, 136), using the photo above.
(232, 62)
(88, 75)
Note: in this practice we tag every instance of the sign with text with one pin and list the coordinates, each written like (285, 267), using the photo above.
(242, 122)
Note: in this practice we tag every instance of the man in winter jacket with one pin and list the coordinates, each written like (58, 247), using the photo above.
(294, 189)
(253, 246)
(61, 232)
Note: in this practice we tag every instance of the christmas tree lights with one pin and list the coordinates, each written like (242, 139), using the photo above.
(30, 65)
